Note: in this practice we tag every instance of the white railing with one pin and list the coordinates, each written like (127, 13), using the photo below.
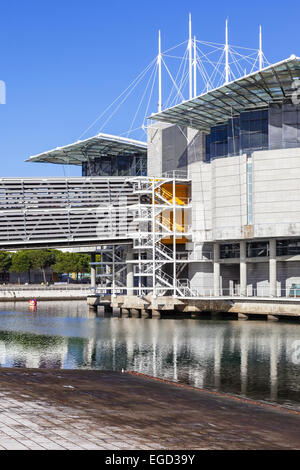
(44, 288)
(260, 293)
(175, 174)
(195, 256)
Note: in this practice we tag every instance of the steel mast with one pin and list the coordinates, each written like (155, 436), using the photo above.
(159, 63)
(227, 70)
(190, 47)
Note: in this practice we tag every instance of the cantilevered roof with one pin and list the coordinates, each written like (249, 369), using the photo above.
(95, 147)
(270, 85)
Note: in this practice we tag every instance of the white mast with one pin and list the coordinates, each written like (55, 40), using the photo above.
(226, 54)
(159, 61)
(195, 67)
(190, 58)
(260, 49)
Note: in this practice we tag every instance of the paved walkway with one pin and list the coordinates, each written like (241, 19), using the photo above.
(45, 409)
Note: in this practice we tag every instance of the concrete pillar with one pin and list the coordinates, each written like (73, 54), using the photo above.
(243, 268)
(135, 313)
(126, 312)
(130, 273)
(243, 316)
(93, 271)
(155, 313)
(217, 270)
(273, 268)
(144, 313)
(273, 318)
(108, 310)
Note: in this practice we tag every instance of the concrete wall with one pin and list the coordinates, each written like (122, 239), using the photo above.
(220, 197)
(23, 295)
(155, 149)
(229, 197)
(258, 278)
(276, 196)
(201, 275)
(230, 278)
(167, 149)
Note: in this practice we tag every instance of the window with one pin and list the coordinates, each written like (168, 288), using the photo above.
(231, 251)
(258, 250)
(288, 247)
(105, 166)
(247, 132)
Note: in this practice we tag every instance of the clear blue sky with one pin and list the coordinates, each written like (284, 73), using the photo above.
(64, 61)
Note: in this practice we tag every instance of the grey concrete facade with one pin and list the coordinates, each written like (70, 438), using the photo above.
(240, 199)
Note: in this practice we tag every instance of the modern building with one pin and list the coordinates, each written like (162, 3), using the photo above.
(214, 203)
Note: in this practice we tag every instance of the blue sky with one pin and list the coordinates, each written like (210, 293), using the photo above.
(64, 61)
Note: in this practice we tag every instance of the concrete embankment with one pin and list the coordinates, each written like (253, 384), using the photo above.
(46, 294)
(241, 307)
(48, 409)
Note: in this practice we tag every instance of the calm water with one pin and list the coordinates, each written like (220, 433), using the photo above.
(254, 359)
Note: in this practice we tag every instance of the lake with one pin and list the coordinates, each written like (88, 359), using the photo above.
(255, 359)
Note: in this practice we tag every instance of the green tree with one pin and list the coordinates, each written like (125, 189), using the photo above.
(72, 263)
(82, 263)
(5, 262)
(21, 263)
(43, 259)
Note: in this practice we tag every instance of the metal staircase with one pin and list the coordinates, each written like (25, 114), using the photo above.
(154, 227)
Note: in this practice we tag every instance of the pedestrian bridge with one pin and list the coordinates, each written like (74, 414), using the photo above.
(57, 212)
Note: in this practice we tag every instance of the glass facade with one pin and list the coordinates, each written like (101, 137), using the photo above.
(243, 134)
(258, 250)
(261, 249)
(284, 126)
(230, 251)
(288, 247)
(121, 165)
(274, 128)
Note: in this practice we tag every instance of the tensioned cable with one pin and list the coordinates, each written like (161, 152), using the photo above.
(149, 100)
(143, 96)
(175, 84)
(210, 69)
(115, 101)
(173, 90)
(124, 99)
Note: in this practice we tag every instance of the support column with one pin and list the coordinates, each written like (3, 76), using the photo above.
(217, 270)
(93, 271)
(273, 268)
(130, 273)
(243, 268)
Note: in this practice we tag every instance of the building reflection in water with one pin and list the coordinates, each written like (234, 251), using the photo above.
(248, 358)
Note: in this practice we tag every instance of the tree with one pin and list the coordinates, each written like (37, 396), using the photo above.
(82, 263)
(5, 262)
(21, 263)
(43, 259)
(72, 263)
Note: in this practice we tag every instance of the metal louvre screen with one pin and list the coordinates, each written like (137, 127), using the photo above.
(64, 210)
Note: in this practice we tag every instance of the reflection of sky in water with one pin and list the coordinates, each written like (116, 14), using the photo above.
(254, 359)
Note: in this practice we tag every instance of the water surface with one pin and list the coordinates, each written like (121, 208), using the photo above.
(255, 359)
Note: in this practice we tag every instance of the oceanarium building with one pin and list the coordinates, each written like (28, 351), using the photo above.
(215, 192)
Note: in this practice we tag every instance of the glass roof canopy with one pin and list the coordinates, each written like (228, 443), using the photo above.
(275, 83)
(95, 147)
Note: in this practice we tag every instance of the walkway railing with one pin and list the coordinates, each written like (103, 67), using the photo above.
(34, 288)
(260, 293)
